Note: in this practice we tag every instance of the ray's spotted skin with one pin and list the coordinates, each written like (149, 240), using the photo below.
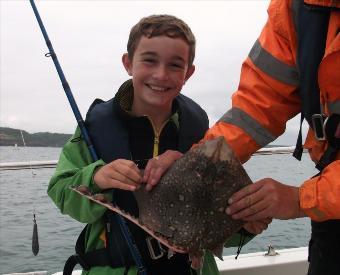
(186, 210)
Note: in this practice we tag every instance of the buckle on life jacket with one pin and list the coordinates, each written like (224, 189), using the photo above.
(327, 128)
(332, 130)
(318, 122)
(155, 249)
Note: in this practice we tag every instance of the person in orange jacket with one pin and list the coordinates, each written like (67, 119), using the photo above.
(293, 67)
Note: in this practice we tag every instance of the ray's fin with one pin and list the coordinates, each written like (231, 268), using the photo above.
(218, 252)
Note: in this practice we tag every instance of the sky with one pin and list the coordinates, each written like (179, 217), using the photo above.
(89, 38)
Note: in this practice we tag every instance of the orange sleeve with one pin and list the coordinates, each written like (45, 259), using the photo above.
(319, 196)
(232, 135)
(268, 101)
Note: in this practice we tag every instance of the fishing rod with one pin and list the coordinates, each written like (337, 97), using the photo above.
(122, 223)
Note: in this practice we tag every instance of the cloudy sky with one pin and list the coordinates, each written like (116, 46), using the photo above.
(90, 37)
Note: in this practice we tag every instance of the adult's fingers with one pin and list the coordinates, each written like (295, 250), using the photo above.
(248, 190)
(250, 209)
(254, 227)
(253, 196)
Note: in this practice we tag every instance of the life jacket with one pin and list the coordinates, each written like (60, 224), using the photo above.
(110, 138)
(312, 33)
(312, 27)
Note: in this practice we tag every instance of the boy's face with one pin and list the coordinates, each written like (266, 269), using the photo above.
(159, 69)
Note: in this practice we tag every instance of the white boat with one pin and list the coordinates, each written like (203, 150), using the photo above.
(286, 261)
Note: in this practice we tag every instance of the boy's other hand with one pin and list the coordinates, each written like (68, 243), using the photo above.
(120, 173)
(157, 166)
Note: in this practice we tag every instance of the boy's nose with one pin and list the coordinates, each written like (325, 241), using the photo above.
(161, 73)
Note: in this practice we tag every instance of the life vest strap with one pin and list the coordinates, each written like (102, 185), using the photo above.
(328, 157)
(330, 129)
(99, 257)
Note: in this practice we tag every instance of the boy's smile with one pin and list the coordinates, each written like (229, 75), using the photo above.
(157, 88)
(159, 69)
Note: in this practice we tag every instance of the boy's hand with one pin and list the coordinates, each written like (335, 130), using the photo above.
(157, 166)
(257, 227)
(120, 173)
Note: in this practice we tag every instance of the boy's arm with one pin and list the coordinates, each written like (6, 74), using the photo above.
(75, 167)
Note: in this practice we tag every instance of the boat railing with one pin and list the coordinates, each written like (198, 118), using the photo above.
(28, 165)
(53, 163)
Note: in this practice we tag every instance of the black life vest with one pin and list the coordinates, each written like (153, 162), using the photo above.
(110, 138)
(311, 27)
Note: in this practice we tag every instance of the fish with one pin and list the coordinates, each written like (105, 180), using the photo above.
(186, 210)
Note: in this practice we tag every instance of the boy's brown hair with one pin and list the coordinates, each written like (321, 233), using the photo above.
(156, 25)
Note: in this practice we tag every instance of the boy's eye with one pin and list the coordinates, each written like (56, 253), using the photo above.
(149, 60)
(176, 65)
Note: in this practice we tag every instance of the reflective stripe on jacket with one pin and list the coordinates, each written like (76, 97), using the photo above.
(267, 97)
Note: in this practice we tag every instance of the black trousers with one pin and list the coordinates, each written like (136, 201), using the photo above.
(324, 248)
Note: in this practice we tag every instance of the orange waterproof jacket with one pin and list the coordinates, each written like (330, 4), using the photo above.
(267, 97)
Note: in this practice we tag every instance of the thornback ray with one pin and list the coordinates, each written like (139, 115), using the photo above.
(185, 211)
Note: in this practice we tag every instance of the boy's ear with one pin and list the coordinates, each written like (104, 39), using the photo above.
(190, 72)
(127, 63)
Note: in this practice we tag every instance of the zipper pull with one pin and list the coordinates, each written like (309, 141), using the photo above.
(155, 146)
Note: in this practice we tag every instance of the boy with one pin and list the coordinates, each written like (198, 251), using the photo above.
(147, 117)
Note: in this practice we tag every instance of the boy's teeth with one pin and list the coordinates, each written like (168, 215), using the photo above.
(157, 88)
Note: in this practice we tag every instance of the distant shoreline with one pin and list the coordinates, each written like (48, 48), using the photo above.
(12, 137)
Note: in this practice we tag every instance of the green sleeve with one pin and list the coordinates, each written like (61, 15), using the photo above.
(74, 168)
(209, 264)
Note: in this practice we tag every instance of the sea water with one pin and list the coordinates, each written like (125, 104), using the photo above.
(23, 192)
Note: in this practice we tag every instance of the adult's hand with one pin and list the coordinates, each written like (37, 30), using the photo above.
(157, 166)
(266, 198)
(257, 227)
(120, 173)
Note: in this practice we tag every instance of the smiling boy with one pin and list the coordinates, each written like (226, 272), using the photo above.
(147, 117)
(159, 67)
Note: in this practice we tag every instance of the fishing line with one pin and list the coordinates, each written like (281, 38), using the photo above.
(35, 237)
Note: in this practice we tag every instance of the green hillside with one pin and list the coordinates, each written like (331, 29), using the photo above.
(10, 137)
